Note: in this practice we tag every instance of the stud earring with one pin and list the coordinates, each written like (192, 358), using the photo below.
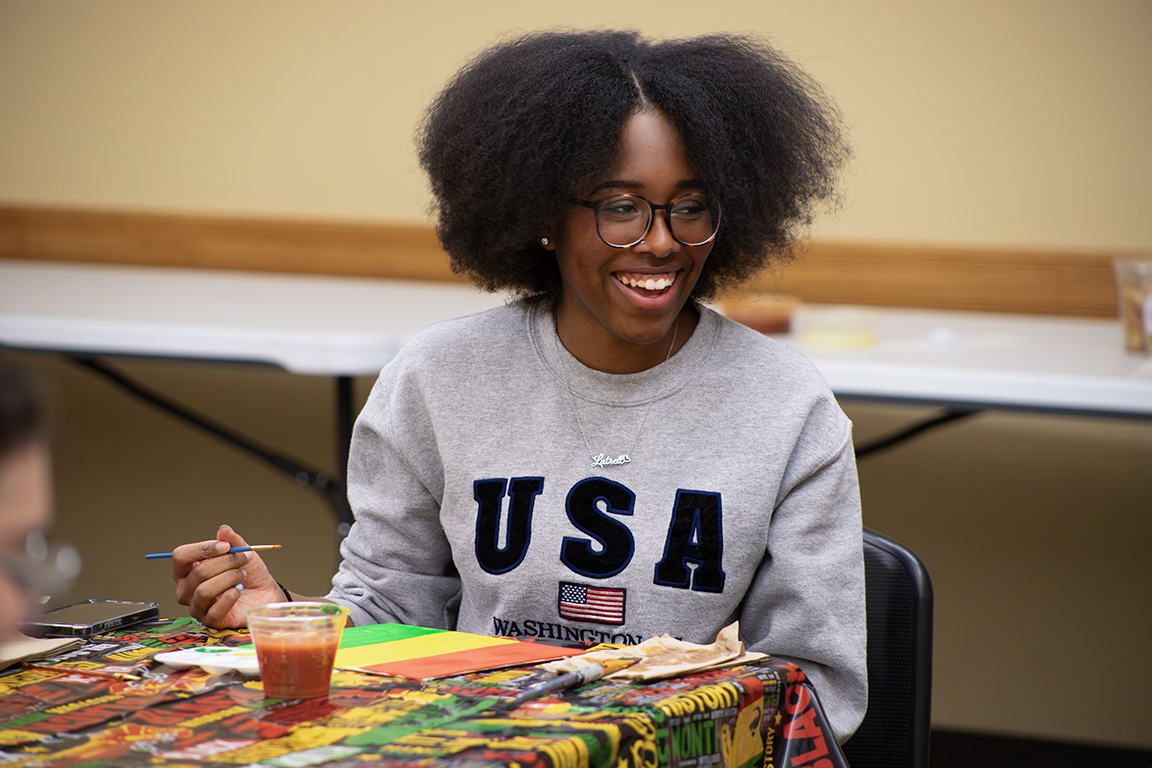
(544, 241)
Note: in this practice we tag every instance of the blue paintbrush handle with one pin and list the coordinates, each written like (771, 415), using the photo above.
(159, 555)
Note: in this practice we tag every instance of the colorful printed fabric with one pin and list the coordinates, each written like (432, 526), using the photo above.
(764, 714)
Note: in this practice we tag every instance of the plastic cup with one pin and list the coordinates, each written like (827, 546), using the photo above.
(296, 646)
(764, 312)
(1134, 283)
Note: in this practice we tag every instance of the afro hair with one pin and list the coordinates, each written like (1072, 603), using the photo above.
(531, 121)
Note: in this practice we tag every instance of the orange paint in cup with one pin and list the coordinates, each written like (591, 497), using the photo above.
(296, 646)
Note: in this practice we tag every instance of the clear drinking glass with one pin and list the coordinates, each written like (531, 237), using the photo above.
(1134, 284)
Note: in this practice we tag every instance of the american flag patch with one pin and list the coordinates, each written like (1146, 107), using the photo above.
(602, 605)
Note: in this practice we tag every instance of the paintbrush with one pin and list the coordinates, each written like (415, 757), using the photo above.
(582, 675)
(159, 555)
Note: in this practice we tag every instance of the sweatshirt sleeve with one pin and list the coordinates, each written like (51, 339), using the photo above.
(396, 561)
(806, 603)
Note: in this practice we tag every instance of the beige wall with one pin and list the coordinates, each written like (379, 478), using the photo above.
(1021, 122)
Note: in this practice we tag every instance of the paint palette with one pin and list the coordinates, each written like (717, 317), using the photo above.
(214, 659)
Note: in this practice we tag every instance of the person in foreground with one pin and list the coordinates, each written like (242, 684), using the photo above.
(605, 458)
(26, 497)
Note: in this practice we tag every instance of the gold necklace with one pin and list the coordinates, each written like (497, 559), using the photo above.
(601, 460)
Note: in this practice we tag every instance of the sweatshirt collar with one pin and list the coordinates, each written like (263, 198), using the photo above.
(624, 389)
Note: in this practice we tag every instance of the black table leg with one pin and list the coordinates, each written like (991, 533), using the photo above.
(345, 418)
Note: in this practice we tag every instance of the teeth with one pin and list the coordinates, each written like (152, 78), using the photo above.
(651, 284)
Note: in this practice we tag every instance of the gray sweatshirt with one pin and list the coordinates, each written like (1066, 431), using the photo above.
(479, 508)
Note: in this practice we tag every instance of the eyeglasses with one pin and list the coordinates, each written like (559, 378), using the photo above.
(625, 220)
(42, 569)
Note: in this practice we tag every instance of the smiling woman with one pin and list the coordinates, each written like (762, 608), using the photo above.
(606, 459)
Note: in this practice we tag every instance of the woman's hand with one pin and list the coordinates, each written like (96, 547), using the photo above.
(219, 587)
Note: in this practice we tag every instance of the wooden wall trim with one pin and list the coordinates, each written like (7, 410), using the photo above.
(963, 278)
(408, 251)
(881, 274)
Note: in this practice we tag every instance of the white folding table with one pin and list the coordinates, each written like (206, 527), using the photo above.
(346, 327)
(984, 361)
(313, 325)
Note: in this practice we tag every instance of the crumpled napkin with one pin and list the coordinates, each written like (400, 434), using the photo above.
(659, 658)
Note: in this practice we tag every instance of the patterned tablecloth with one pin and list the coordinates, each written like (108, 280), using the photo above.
(111, 704)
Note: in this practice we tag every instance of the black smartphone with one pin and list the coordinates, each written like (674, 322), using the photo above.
(90, 617)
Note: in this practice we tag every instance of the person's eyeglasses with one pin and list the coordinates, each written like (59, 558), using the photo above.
(42, 569)
(624, 220)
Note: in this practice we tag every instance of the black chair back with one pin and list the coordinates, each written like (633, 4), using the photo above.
(894, 733)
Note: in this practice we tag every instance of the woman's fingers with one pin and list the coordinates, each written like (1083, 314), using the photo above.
(230, 606)
(214, 597)
(225, 533)
(218, 586)
(185, 556)
(205, 571)
(199, 564)
(218, 612)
